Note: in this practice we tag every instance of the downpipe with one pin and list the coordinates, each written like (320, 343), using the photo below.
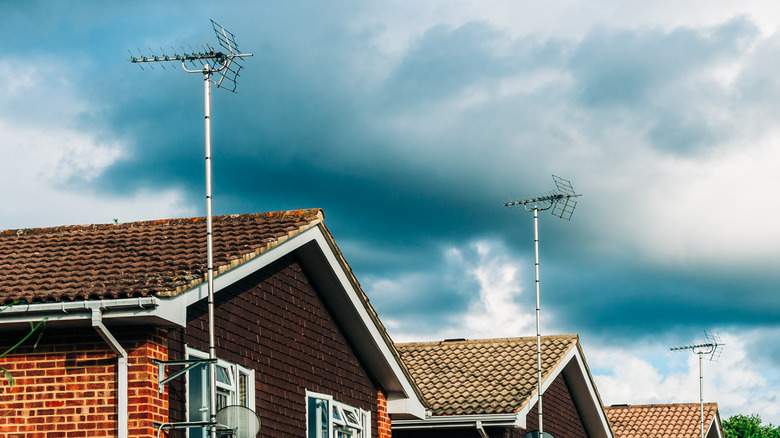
(122, 372)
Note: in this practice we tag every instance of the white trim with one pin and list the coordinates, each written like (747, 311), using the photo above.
(233, 275)
(571, 358)
(410, 404)
(68, 311)
(604, 421)
(370, 341)
(341, 407)
(406, 403)
(450, 421)
(233, 370)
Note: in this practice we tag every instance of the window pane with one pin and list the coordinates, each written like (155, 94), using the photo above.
(318, 418)
(243, 389)
(338, 416)
(352, 417)
(197, 401)
(223, 375)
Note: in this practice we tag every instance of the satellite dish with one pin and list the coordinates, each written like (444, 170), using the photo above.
(241, 421)
(535, 434)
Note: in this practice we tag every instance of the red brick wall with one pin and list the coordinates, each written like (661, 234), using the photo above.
(383, 418)
(66, 386)
(275, 323)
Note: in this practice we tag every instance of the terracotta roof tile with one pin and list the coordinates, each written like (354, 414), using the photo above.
(489, 376)
(162, 257)
(681, 420)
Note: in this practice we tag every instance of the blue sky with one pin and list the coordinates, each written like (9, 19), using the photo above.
(410, 125)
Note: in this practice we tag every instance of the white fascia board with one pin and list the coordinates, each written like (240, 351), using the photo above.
(69, 311)
(715, 428)
(604, 430)
(408, 404)
(573, 357)
(460, 421)
(546, 384)
(177, 306)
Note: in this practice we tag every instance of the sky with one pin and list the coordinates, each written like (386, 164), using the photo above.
(410, 124)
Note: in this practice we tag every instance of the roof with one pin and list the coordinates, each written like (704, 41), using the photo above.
(681, 420)
(150, 272)
(490, 376)
(136, 259)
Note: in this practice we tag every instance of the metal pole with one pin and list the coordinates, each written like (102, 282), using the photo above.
(701, 394)
(538, 319)
(210, 257)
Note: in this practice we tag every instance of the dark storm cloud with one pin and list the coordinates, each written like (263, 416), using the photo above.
(322, 119)
(630, 299)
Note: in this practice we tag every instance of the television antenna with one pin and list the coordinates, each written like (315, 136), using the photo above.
(713, 349)
(562, 204)
(221, 68)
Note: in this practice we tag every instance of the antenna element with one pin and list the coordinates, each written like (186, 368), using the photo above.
(222, 69)
(560, 201)
(563, 206)
(712, 348)
(206, 59)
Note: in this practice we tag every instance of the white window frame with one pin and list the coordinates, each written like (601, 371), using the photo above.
(230, 389)
(359, 423)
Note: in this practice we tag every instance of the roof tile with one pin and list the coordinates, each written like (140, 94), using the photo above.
(161, 257)
(682, 420)
(486, 376)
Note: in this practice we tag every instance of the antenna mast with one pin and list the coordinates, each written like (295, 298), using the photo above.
(712, 348)
(221, 68)
(562, 206)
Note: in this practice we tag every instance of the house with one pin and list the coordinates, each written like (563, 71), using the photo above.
(488, 388)
(679, 420)
(125, 311)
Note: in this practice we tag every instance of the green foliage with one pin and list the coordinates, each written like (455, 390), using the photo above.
(33, 329)
(749, 426)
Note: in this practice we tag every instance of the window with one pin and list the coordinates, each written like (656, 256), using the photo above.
(235, 386)
(327, 418)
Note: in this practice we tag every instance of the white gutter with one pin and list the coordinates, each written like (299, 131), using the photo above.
(76, 310)
(122, 368)
(461, 421)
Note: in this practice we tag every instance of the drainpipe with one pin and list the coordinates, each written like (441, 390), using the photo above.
(481, 430)
(122, 368)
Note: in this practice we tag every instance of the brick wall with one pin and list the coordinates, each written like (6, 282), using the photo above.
(66, 385)
(275, 323)
(560, 416)
(383, 418)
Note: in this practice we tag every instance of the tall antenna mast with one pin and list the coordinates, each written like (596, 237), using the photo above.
(221, 68)
(712, 348)
(562, 204)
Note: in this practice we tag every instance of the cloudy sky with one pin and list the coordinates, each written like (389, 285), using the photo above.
(410, 123)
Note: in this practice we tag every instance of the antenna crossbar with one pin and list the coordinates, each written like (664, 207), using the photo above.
(713, 348)
(218, 67)
(564, 208)
(561, 201)
(225, 63)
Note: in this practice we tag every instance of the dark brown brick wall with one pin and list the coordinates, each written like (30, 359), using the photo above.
(560, 416)
(275, 323)
(560, 419)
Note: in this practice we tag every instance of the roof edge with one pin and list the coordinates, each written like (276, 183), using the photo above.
(243, 258)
